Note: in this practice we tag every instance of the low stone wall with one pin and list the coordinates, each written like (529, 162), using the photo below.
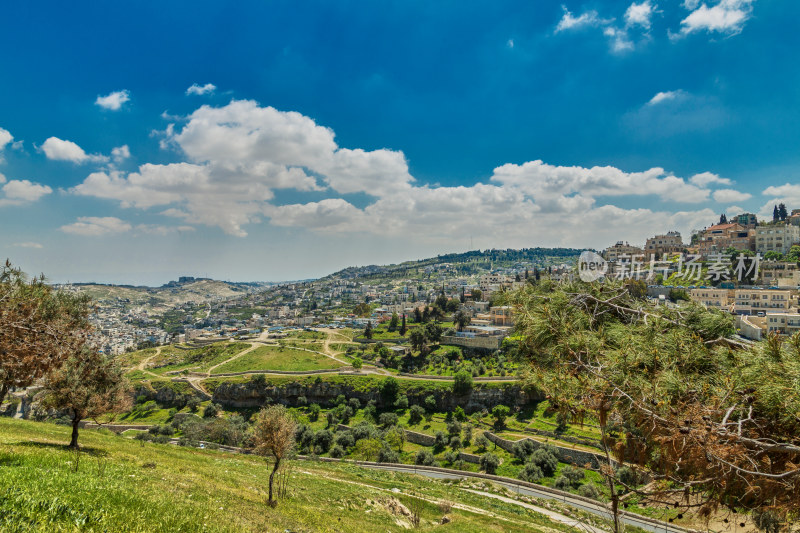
(363, 340)
(564, 455)
(419, 438)
(481, 343)
(568, 438)
(469, 458)
(450, 378)
(411, 436)
(348, 369)
(116, 428)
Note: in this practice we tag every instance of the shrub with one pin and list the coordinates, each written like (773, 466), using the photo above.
(354, 404)
(337, 452)
(562, 483)
(388, 420)
(193, 404)
(259, 379)
(482, 442)
(302, 401)
(628, 476)
(363, 430)
(388, 455)
(523, 449)
(561, 423)
(589, 490)
(345, 439)
(323, 440)
(467, 435)
(415, 415)
(439, 442)
(211, 411)
(450, 457)
(389, 390)
(489, 463)
(500, 413)
(448, 417)
(459, 414)
(402, 402)
(454, 428)
(424, 458)
(370, 411)
(313, 412)
(545, 460)
(340, 400)
(430, 403)
(462, 382)
(531, 473)
(573, 474)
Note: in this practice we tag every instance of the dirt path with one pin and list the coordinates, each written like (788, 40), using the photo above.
(552, 515)
(143, 364)
(459, 506)
(252, 347)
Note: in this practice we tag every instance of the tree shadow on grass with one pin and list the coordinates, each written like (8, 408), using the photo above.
(88, 450)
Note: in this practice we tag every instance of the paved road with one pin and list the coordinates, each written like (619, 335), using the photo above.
(655, 526)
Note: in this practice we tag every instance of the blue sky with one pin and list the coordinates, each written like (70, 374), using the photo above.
(323, 135)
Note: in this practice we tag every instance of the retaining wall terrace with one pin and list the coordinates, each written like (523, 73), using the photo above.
(564, 455)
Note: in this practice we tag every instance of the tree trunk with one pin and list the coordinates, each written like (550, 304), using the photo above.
(271, 479)
(3, 391)
(75, 423)
(619, 526)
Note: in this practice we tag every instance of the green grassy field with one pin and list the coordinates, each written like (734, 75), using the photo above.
(278, 358)
(123, 485)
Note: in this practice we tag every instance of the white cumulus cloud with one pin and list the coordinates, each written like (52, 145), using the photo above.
(5, 138)
(120, 153)
(666, 96)
(238, 155)
(705, 179)
(20, 192)
(726, 16)
(96, 226)
(113, 101)
(200, 90)
(63, 150)
(571, 22)
(730, 195)
(639, 14)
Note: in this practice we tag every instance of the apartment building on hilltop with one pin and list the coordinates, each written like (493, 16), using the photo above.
(661, 245)
(622, 250)
(754, 301)
(713, 298)
(776, 238)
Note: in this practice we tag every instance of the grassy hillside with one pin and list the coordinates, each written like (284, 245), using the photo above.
(123, 485)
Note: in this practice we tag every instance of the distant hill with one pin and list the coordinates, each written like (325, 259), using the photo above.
(167, 296)
(466, 262)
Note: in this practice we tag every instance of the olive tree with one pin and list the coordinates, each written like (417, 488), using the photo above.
(273, 433)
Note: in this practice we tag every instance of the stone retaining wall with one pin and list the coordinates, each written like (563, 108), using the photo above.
(564, 455)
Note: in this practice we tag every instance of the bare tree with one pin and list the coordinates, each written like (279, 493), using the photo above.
(274, 432)
(39, 328)
(88, 385)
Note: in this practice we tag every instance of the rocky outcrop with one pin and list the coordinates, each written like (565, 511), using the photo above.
(166, 395)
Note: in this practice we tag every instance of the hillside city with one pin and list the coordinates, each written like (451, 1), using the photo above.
(754, 275)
